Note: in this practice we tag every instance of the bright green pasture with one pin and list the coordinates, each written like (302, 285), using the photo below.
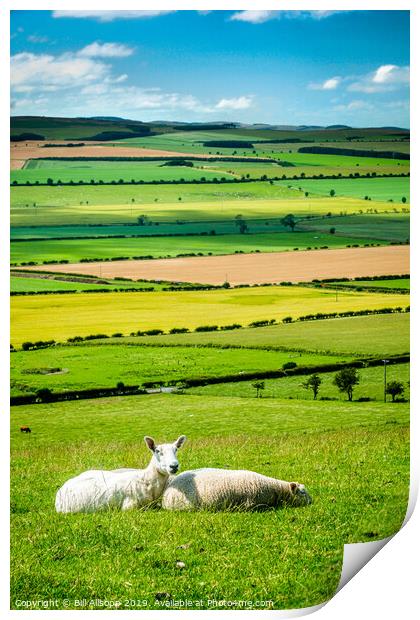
(353, 457)
(371, 385)
(35, 284)
(399, 283)
(386, 334)
(389, 225)
(101, 365)
(107, 171)
(158, 247)
(45, 317)
(44, 206)
(385, 189)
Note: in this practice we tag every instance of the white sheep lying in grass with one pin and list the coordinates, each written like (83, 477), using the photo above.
(123, 489)
(218, 489)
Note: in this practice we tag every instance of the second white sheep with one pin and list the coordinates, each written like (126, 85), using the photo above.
(219, 489)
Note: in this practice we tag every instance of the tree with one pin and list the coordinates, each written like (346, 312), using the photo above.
(403, 199)
(345, 380)
(332, 230)
(142, 220)
(241, 224)
(289, 221)
(313, 383)
(394, 388)
(259, 386)
(332, 192)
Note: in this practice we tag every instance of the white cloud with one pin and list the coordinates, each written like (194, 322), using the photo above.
(391, 74)
(81, 80)
(354, 106)
(109, 16)
(238, 103)
(259, 17)
(44, 70)
(385, 78)
(34, 38)
(121, 78)
(106, 50)
(255, 17)
(330, 84)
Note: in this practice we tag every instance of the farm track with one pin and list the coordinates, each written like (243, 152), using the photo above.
(266, 268)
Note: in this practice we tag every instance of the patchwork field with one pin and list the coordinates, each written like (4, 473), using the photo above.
(23, 282)
(371, 386)
(399, 283)
(357, 336)
(254, 269)
(395, 189)
(100, 365)
(21, 152)
(160, 247)
(391, 226)
(45, 317)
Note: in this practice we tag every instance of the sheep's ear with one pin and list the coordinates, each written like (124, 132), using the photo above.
(293, 487)
(150, 443)
(180, 442)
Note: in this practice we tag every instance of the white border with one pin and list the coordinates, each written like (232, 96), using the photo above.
(386, 587)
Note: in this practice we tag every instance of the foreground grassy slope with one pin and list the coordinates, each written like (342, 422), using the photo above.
(358, 496)
(43, 317)
(359, 335)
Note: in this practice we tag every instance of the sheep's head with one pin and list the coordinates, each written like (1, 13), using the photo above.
(299, 494)
(164, 455)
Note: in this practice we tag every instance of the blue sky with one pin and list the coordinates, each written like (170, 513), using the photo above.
(281, 67)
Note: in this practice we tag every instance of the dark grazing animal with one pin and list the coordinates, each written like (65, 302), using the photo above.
(25, 429)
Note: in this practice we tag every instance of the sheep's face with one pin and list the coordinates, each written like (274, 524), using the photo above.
(300, 496)
(164, 456)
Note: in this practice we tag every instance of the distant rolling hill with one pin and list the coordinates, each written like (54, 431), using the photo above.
(109, 128)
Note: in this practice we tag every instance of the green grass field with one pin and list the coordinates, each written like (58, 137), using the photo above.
(290, 165)
(371, 386)
(43, 317)
(387, 334)
(76, 249)
(390, 226)
(353, 457)
(386, 189)
(100, 365)
(21, 284)
(107, 171)
(400, 283)
(54, 206)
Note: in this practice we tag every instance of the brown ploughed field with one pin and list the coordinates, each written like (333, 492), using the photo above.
(302, 266)
(20, 152)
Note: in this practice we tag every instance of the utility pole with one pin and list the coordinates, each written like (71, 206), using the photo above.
(385, 363)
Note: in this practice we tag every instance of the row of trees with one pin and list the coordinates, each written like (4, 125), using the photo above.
(345, 380)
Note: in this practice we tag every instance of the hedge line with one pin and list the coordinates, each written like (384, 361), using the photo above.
(204, 181)
(332, 150)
